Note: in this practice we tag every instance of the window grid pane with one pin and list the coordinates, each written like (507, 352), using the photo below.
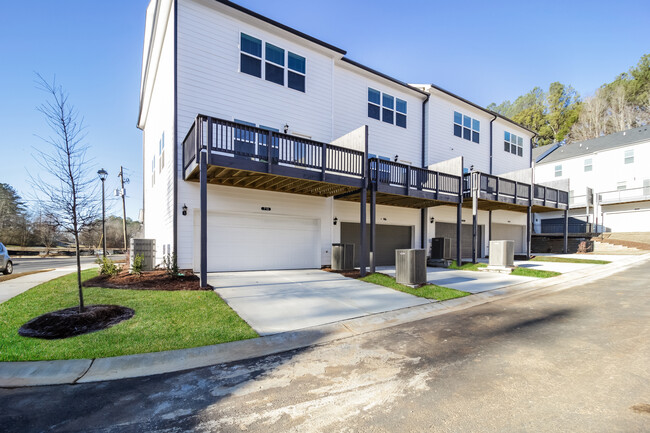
(388, 101)
(374, 96)
(296, 63)
(296, 81)
(400, 106)
(274, 54)
(251, 45)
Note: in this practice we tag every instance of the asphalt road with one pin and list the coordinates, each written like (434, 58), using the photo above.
(36, 264)
(571, 361)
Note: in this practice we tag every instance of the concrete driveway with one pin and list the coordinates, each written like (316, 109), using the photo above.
(279, 301)
(467, 281)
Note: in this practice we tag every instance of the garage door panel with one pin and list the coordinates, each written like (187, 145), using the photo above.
(509, 232)
(238, 242)
(634, 221)
(448, 230)
(388, 238)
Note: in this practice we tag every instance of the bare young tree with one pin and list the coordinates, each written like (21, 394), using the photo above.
(64, 187)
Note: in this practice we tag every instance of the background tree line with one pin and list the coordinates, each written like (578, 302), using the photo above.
(560, 115)
(22, 227)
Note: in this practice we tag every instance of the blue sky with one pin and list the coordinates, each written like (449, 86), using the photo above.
(483, 51)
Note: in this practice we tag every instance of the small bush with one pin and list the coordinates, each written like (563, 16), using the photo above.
(138, 262)
(107, 267)
(169, 262)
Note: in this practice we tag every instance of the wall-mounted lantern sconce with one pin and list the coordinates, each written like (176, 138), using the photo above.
(471, 168)
(396, 157)
(384, 219)
(462, 221)
(286, 128)
(335, 220)
(184, 209)
(432, 220)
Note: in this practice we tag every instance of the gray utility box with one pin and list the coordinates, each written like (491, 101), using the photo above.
(411, 266)
(441, 249)
(342, 257)
(502, 254)
(145, 248)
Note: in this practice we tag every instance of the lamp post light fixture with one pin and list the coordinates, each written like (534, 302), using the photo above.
(103, 174)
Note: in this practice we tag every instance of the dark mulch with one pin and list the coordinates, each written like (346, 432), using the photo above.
(350, 274)
(70, 323)
(152, 280)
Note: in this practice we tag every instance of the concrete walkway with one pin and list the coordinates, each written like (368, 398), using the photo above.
(19, 374)
(282, 301)
(11, 288)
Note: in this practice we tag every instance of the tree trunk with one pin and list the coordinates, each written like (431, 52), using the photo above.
(81, 295)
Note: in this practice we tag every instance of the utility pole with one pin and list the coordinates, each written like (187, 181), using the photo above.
(123, 194)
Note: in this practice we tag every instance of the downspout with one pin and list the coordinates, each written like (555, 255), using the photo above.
(424, 232)
(491, 142)
(175, 169)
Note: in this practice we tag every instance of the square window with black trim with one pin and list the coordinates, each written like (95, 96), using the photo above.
(513, 143)
(387, 108)
(466, 127)
(274, 63)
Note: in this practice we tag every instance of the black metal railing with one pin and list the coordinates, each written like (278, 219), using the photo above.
(238, 140)
(500, 189)
(408, 177)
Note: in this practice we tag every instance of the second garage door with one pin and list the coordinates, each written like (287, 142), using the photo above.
(448, 230)
(244, 242)
(502, 232)
(388, 239)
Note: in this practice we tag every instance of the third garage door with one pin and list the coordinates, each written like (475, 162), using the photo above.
(388, 239)
(448, 230)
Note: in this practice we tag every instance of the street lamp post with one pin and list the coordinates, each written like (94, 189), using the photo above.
(103, 174)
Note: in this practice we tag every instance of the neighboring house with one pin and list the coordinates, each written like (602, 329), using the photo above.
(260, 142)
(609, 180)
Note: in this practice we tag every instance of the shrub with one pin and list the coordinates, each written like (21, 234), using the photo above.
(138, 262)
(107, 267)
(171, 267)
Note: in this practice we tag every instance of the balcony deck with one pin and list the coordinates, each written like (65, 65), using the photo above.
(239, 155)
(496, 193)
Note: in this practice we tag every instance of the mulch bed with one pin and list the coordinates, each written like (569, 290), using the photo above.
(151, 280)
(350, 274)
(70, 323)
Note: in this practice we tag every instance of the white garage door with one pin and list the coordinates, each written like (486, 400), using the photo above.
(243, 242)
(503, 232)
(634, 221)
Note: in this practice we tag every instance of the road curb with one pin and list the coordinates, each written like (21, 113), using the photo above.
(38, 373)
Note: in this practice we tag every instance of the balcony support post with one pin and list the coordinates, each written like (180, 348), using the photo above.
(529, 222)
(204, 218)
(475, 187)
(566, 231)
(362, 210)
(373, 221)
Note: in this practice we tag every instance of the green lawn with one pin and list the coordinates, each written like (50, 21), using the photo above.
(568, 260)
(162, 321)
(524, 272)
(467, 266)
(430, 291)
(527, 272)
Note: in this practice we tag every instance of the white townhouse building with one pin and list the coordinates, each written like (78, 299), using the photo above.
(609, 180)
(261, 142)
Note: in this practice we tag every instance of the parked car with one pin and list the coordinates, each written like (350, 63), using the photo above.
(6, 265)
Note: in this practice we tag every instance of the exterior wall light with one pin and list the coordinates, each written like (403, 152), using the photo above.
(335, 220)
(184, 209)
(432, 220)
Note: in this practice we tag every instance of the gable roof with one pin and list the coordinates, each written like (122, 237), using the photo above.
(587, 147)
(541, 152)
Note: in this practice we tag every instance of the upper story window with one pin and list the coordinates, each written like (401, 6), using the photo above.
(513, 143)
(466, 127)
(588, 164)
(558, 170)
(387, 108)
(296, 73)
(629, 156)
(273, 60)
